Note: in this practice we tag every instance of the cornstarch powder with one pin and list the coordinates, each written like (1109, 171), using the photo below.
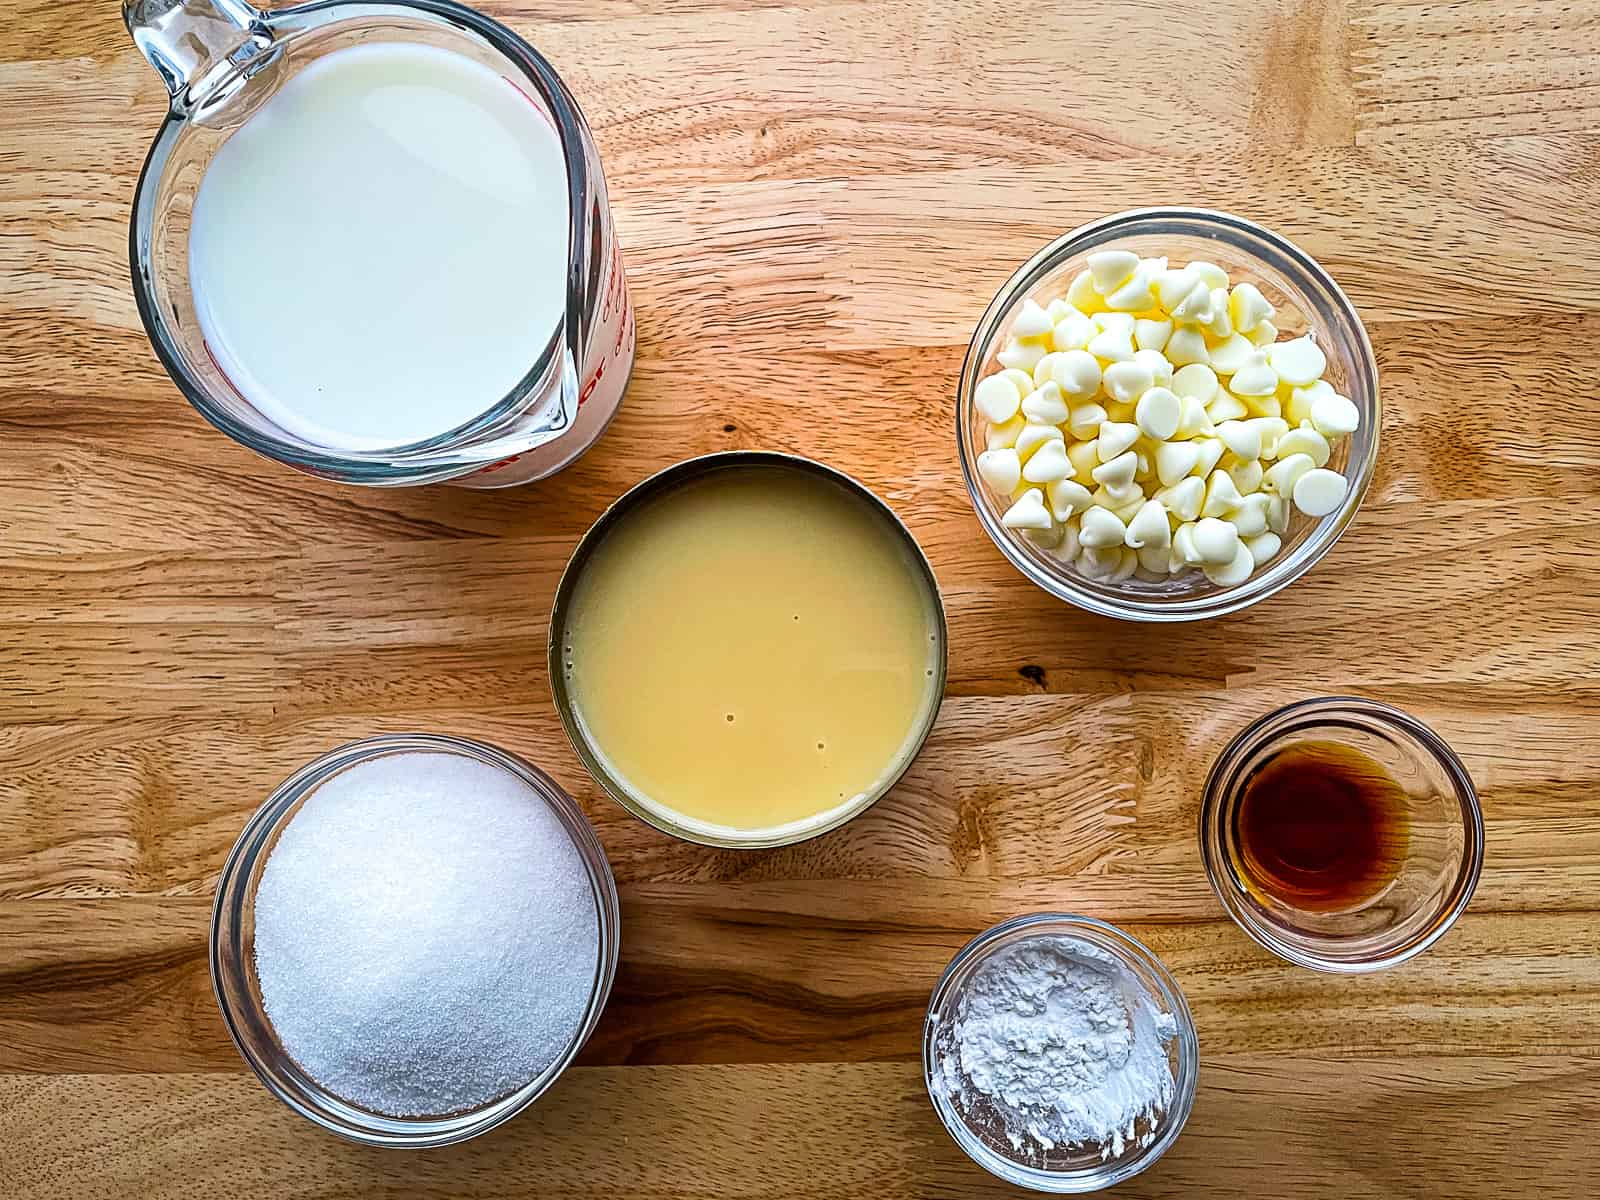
(426, 935)
(1062, 1046)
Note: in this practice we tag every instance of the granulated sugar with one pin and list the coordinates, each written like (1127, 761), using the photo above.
(1060, 1045)
(426, 935)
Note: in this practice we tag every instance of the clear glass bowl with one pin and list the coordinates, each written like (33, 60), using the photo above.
(1444, 847)
(233, 971)
(1307, 300)
(1066, 1169)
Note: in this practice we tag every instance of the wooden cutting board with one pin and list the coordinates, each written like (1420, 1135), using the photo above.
(816, 201)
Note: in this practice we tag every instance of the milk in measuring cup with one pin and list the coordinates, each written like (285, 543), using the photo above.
(379, 253)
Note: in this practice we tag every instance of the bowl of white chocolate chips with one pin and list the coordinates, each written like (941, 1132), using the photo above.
(1168, 414)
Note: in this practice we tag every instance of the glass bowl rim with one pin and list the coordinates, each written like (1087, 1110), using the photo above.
(1320, 539)
(1218, 796)
(1130, 952)
(227, 957)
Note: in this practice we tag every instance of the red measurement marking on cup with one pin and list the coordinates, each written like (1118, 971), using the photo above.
(537, 107)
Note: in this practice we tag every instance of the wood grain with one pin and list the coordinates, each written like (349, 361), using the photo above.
(817, 199)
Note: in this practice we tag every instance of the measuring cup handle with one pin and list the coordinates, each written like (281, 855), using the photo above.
(189, 41)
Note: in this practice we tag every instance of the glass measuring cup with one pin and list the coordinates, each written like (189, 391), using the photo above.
(221, 60)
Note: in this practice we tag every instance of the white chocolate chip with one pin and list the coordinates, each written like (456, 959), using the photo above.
(1057, 308)
(1021, 380)
(1247, 307)
(1228, 355)
(1173, 285)
(1303, 400)
(1084, 457)
(1081, 294)
(1197, 381)
(1211, 449)
(1048, 464)
(1083, 422)
(1100, 527)
(1032, 322)
(1174, 461)
(1263, 547)
(1149, 526)
(1263, 334)
(1193, 420)
(1234, 572)
(1006, 433)
(1126, 566)
(1241, 439)
(1183, 547)
(1246, 476)
(1119, 471)
(1156, 362)
(1119, 323)
(1155, 561)
(1043, 371)
(1184, 498)
(1278, 512)
(1045, 539)
(1220, 325)
(1157, 413)
(1111, 346)
(1077, 374)
(1124, 500)
(1115, 437)
(1028, 512)
(1195, 308)
(1299, 361)
(997, 399)
(1151, 334)
(1264, 406)
(1135, 295)
(1221, 495)
(1305, 441)
(1033, 436)
(1250, 517)
(1045, 405)
(1270, 430)
(1318, 492)
(1215, 541)
(1022, 355)
(1111, 268)
(1226, 407)
(1069, 547)
(1212, 275)
(1334, 415)
(1072, 332)
(1125, 382)
(1187, 345)
(1098, 562)
(1067, 498)
(1000, 469)
(1255, 378)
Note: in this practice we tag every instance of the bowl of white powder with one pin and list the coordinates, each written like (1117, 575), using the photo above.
(1060, 1053)
(413, 937)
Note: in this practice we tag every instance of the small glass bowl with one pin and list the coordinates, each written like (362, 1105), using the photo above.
(1066, 1169)
(1444, 848)
(1307, 300)
(233, 968)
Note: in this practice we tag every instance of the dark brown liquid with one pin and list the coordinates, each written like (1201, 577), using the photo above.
(1321, 827)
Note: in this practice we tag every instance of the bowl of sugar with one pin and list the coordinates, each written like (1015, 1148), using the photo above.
(412, 938)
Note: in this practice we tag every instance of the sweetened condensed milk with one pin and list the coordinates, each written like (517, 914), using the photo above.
(753, 651)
